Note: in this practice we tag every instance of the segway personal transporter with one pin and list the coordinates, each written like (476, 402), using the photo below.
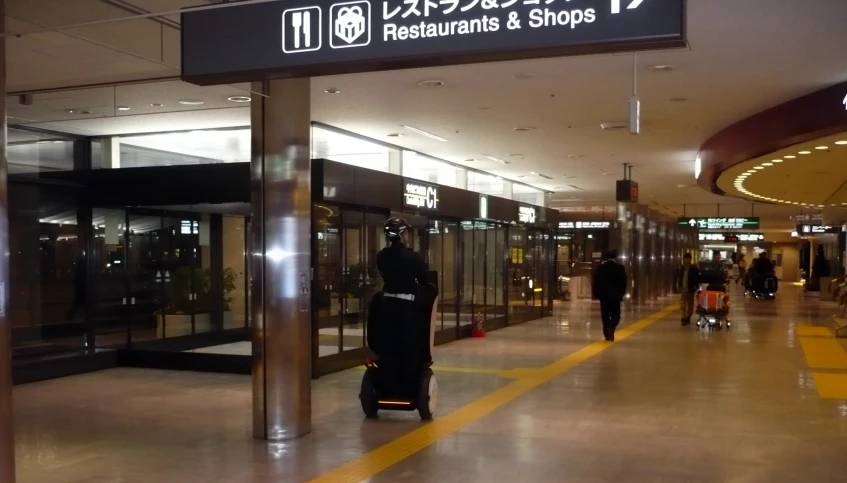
(382, 388)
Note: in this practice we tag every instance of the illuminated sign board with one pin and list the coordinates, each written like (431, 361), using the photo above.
(483, 207)
(817, 229)
(732, 237)
(585, 225)
(527, 214)
(306, 38)
(420, 196)
(751, 223)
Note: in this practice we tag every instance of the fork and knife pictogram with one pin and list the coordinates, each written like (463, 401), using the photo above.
(301, 21)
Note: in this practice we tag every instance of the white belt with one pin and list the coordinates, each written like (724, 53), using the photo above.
(404, 296)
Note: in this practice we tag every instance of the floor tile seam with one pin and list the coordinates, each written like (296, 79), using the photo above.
(398, 450)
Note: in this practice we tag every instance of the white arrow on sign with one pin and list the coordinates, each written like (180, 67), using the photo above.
(616, 5)
(844, 102)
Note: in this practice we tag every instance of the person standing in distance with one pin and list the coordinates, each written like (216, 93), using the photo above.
(609, 287)
(686, 283)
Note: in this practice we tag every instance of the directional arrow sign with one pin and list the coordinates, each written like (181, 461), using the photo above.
(844, 102)
(242, 41)
(616, 5)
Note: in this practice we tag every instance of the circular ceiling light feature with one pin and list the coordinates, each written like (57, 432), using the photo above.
(516, 155)
(156, 104)
(662, 68)
(123, 108)
(805, 152)
(841, 143)
(333, 90)
(395, 135)
(192, 102)
(822, 148)
(431, 83)
(759, 167)
(678, 99)
(524, 76)
(470, 160)
(525, 128)
(238, 99)
(789, 156)
(767, 164)
(776, 160)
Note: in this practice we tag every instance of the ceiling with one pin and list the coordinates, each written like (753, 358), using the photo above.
(744, 57)
(811, 174)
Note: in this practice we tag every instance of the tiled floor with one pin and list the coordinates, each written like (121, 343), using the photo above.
(664, 405)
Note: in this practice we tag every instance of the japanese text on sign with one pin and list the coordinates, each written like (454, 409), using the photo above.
(526, 214)
(421, 196)
(584, 225)
(720, 223)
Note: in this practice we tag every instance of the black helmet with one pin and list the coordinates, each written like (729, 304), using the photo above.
(394, 227)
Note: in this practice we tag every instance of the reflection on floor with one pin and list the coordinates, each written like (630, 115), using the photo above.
(665, 404)
(246, 349)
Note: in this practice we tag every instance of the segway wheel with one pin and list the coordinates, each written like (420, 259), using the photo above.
(427, 395)
(367, 394)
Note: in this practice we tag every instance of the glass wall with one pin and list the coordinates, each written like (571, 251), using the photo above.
(31, 152)
(46, 272)
(428, 169)
(483, 284)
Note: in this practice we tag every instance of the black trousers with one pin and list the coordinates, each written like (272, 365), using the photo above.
(610, 314)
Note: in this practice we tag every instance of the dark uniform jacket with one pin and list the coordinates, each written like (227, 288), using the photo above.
(693, 279)
(610, 281)
(401, 268)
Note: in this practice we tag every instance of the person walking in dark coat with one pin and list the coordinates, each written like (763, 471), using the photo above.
(686, 283)
(609, 287)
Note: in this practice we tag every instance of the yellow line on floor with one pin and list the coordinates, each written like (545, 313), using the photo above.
(831, 386)
(812, 331)
(401, 448)
(466, 370)
(824, 353)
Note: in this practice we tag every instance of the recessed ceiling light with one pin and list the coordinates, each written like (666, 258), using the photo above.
(841, 143)
(759, 167)
(789, 156)
(570, 177)
(523, 175)
(332, 90)
(752, 171)
(574, 156)
(678, 99)
(767, 164)
(431, 83)
(805, 152)
(192, 102)
(395, 135)
(524, 75)
(156, 104)
(495, 159)
(822, 148)
(525, 128)
(424, 133)
(238, 99)
(123, 108)
(662, 68)
(470, 160)
(776, 160)
(516, 155)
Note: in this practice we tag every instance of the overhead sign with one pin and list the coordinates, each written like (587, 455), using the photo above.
(817, 229)
(527, 214)
(732, 237)
(626, 190)
(751, 223)
(304, 38)
(420, 196)
(584, 225)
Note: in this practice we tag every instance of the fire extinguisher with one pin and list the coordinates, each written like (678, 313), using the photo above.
(478, 329)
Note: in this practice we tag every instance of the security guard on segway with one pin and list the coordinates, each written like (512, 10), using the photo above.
(399, 332)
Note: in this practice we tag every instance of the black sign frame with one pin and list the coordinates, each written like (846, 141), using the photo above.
(243, 43)
(818, 229)
(752, 225)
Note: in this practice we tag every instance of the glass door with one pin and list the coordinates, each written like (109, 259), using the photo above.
(145, 275)
(109, 303)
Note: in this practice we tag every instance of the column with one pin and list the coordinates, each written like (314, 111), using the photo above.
(281, 252)
(110, 156)
(7, 448)
(395, 162)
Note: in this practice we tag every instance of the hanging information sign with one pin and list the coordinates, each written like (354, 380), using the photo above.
(305, 38)
(527, 214)
(585, 225)
(751, 223)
